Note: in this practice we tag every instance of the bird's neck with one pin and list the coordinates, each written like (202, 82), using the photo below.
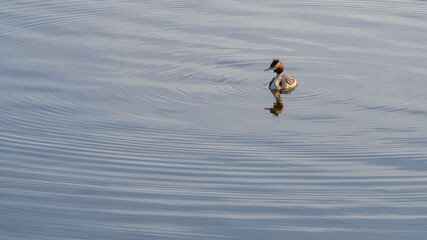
(278, 77)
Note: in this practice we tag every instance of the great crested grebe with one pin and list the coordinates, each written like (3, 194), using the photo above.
(282, 82)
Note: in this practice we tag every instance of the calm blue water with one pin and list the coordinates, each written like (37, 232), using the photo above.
(147, 120)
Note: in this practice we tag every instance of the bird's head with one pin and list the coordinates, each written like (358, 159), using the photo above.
(276, 65)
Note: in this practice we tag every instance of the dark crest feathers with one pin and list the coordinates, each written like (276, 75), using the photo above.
(275, 61)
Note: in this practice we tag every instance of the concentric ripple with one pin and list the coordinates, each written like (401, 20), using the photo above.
(147, 120)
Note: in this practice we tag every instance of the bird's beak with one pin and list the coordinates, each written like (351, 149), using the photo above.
(268, 69)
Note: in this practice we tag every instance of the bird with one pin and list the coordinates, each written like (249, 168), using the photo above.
(281, 82)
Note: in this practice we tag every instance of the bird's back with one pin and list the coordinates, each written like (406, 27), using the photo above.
(288, 83)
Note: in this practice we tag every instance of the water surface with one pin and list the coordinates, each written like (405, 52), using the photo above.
(147, 120)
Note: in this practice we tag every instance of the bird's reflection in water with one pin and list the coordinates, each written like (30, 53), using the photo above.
(278, 105)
